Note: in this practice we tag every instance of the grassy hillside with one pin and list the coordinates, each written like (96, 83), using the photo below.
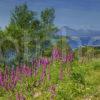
(75, 81)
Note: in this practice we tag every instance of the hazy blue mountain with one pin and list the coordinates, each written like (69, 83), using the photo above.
(80, 37)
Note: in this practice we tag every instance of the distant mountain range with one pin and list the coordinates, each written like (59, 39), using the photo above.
(80, 37)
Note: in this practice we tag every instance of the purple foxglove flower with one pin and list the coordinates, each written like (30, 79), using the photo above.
(64, 59)
(12, 74)
(1, 79)
(56, 54)
(43, 74)
(35, 65)
(70, 57)
(44, 62)
(26, 70)
(17, 96)
(6, 73)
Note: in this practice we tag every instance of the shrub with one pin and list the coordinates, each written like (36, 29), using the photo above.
(78, 74)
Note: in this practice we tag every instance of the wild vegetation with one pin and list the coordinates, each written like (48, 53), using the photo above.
(35, 64)
(63, 78)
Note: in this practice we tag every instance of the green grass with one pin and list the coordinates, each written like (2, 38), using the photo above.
(82, 83)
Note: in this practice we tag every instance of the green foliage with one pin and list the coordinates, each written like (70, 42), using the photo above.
(22, 17)
(83, 83)
(78, 74)
(54, 72)
(27, 31)
(96, 65)
(66, 90)
(48, 16)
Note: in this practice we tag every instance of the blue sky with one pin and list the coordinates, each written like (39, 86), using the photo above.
(77, 14)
